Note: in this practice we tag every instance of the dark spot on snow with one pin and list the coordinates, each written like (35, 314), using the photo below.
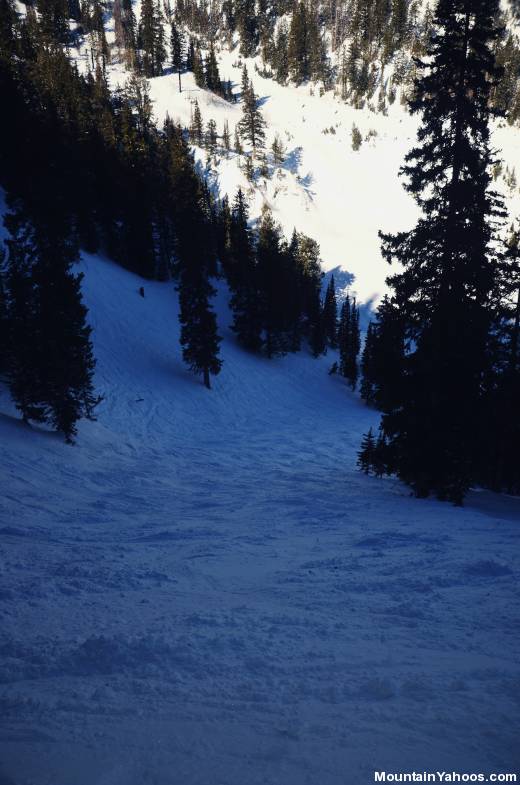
(488, 569)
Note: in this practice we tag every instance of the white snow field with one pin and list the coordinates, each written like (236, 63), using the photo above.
(205, 591)
(338, 196)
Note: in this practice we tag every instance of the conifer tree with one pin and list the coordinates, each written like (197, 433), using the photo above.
(199, 72)
(278, 151)
(306, 254)
(247, 24)
(281, 57)
(244, 82)
(151, 38)
(367, 387)
(197, 127)
(450, 267)
(51, 364)
(177, 51)
(330, 315)
(271, 264)
(199, 338)
(298, 45)
(242, 275)
(211, 137)
(212, 74)
(252, 125)
(226, 141)
(365, 458)
(349, 341)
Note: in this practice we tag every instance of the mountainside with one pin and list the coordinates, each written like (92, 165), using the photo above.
(339, 196)
(205, 590)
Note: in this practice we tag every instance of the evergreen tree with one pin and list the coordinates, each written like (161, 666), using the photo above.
(383, 362)
(367, 388)
(226, 141)
(199, 72)
(247, 24)
(242, 274)
(197, 127)
(177, 51)
(357, 139)
(450, 266)
(349, 341)
(278, 151)
(51, 363)
(151, 38)
(271, 264)
(366, 453)
(252, 125)
(330, 315)
(199, 338)
(281, 56)
(212, 74)
(211, 137)
(306, 254)
(298, 45)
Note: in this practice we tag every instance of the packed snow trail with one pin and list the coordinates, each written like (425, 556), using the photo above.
(205, 591)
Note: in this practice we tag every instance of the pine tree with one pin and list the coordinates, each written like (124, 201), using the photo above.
(278, 151)
(450, 266)
(242, 274)
(211, 137)
(367, 387)
(349, 341)
(366, 453)
(151, 38)
(271, 264)
(197, 127)
(226, 141)
(199, 338)
(306, 254)
(247, 24)
(330, 315)
(298, 45)
(199, 72)
(212, 74)
(244, 82)
(51, 363)
(357, 139)
(281, 57)
(252, 125)
(177, 52)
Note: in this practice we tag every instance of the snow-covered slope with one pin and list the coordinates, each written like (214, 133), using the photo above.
(204, 591)
(338, 196)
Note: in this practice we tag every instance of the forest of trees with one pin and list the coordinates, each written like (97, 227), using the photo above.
(87, 168)
(365, 50)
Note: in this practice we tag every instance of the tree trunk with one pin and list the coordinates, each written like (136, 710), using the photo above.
(206, 379)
